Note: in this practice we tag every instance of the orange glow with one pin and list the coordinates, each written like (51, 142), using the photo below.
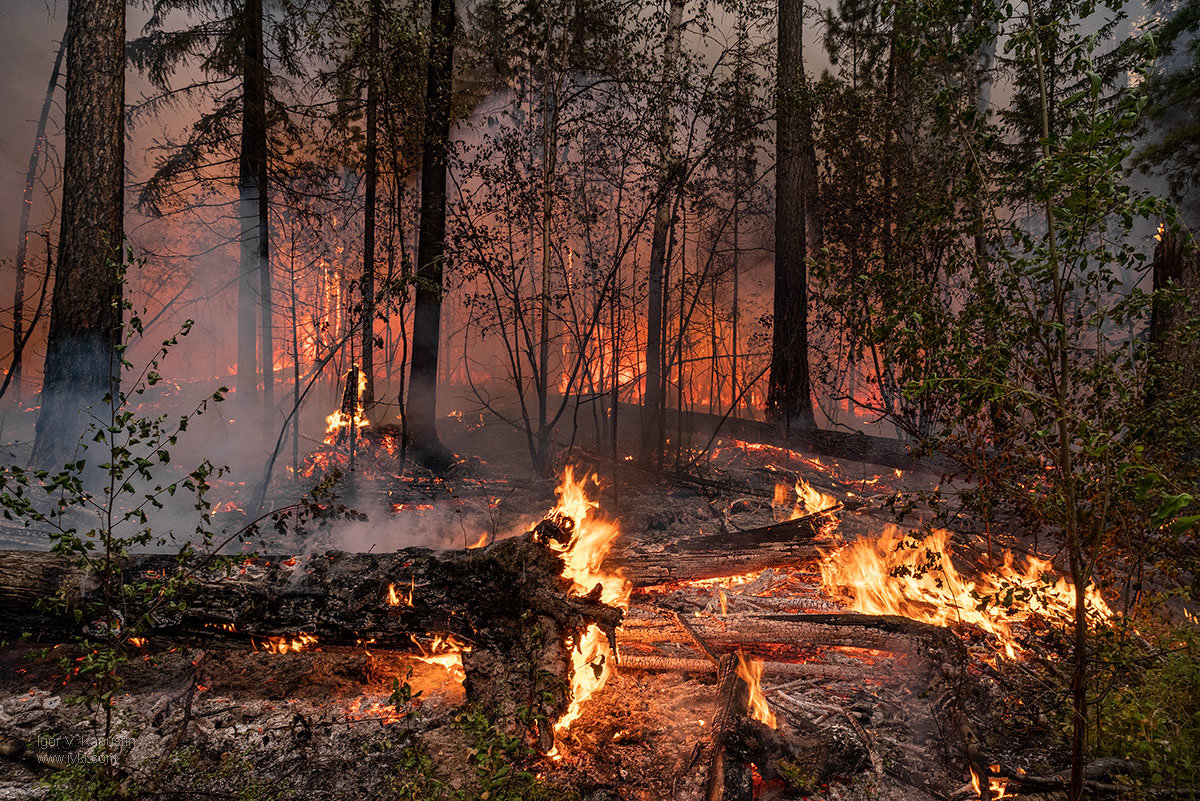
(896, 574)
(750, 671)
(591, 539)
(338, 422)
(445, 650)
(283, 645)
(396, 599)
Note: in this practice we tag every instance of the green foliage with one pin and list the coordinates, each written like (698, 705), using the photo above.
(1149, 707)
(503, 765)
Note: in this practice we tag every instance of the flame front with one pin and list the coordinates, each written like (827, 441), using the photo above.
(283, 645)
(750, 671)
(898, 575)
(591, 540)
(804, 499)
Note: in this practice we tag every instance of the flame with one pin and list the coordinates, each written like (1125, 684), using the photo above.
(750, 671)
(282, 645)
(998, 788)
(386, 714)
(591, 539)
(445, 650)
(805, 499)
(896, 574)
(396, 599)
(138, 642)
(479, 543)
(337, 422)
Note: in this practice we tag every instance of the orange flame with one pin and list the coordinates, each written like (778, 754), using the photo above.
(396, 599)
(750, 671)
(445, 650)
(804, 498)
(282, 645)
(896, 574)
(591, 539)
(336, 422)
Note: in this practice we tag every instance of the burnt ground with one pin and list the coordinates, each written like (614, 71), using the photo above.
(875, 723)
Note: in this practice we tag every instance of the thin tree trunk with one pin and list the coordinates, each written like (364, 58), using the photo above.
(39, 141)
(431, 239)
(541, 456)
(82, 360)
(789, 393)
(367, 285)
(652, 427)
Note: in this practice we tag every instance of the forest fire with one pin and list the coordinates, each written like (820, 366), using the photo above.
(445, 651)
(591, 538)
(897, 574)
(284, 645)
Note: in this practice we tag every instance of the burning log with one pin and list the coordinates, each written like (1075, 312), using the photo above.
(729, 778)
(509, 605)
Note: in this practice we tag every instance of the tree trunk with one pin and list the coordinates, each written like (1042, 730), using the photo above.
(254, 283)
(652, 423)
(82, 360)
(367, 285)
(789, 396)
(39, 141)
(431, 239)
(1176, 353)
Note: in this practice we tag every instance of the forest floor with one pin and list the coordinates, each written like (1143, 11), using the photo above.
(194, 721)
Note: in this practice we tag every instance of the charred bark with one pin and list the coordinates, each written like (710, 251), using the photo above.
(729, 778)
(82, 361)
(789, 395)
(431, 241)
(371, 168)
(255, 280)
(508, 602)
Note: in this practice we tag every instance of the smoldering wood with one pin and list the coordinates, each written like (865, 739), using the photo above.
(508, 602)
(728, 778)
(771, 670)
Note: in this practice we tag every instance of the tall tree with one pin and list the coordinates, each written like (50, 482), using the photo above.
(83, 363)
(431, 239)
(39, 142)
(371, 168)
(789, 393)
(652, 418)
(253, 211)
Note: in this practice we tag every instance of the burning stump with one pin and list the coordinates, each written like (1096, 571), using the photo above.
(508, 607)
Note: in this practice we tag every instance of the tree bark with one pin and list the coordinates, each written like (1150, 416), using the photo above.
(789, 394)
(254, 283)
(39, 142)
(82, 360)
(1176, 353)
(652, 419)
(431, 240)
(367, 284)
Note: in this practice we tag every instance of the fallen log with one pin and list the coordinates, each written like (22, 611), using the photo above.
(792, 542)
(771, 670)
(729, 778)
(508, 604)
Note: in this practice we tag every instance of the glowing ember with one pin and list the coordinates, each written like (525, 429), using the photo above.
(283, 645)
(396, 599)
(898, 575)
(997, 787)
(362, 709)
(750, 671)
(591, 539)
(445, 650)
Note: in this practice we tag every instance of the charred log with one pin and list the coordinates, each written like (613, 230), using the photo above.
(507, 603)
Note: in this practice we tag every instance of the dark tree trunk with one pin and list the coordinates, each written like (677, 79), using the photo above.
(367, 286)
(789, 395)
(252, 210)
(39, 141)
(431, 239)
(82, 361)
(652, 422)
(1176, 273)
